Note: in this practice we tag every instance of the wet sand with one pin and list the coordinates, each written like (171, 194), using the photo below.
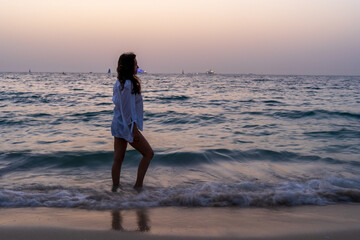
(306, 222)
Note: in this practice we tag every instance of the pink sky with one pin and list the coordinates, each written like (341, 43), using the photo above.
(230, 36)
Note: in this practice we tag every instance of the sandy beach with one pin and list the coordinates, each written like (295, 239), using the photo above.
(306, 222)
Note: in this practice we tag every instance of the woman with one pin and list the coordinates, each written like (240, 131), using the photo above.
(128, 119)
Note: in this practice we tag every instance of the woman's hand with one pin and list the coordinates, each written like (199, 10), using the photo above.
(136, 133)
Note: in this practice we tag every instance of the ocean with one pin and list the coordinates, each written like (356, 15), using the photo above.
(220, 140)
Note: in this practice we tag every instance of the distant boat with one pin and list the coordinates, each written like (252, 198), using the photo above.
(210, 72)
(141, 71)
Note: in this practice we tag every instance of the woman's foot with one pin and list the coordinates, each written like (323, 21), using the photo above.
(114, 188)
(138, 188)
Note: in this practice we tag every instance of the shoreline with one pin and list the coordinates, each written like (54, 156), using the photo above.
(21, 233)
(339, 221)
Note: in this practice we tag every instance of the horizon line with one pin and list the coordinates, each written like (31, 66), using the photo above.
(217, 73)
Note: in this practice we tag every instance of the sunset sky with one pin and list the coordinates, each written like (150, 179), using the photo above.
(229, 36)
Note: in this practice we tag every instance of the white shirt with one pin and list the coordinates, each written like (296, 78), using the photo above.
(127, 111)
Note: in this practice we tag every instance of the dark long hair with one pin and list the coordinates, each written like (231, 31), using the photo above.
(125, 71)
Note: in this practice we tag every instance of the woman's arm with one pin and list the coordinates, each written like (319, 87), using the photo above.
(128, 108)
(128, 104)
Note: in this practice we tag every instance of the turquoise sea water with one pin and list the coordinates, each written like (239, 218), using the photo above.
(219, 140)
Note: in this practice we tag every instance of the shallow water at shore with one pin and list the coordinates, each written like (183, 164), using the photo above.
(309, 222)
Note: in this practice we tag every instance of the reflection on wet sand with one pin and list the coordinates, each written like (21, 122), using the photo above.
(142, 221)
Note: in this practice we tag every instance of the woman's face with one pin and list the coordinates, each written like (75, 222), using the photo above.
(135, 66)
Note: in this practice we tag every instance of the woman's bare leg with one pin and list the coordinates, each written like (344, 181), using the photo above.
(142, 145)
(119, 154)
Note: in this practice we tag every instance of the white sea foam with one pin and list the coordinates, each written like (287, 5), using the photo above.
(215, 194)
